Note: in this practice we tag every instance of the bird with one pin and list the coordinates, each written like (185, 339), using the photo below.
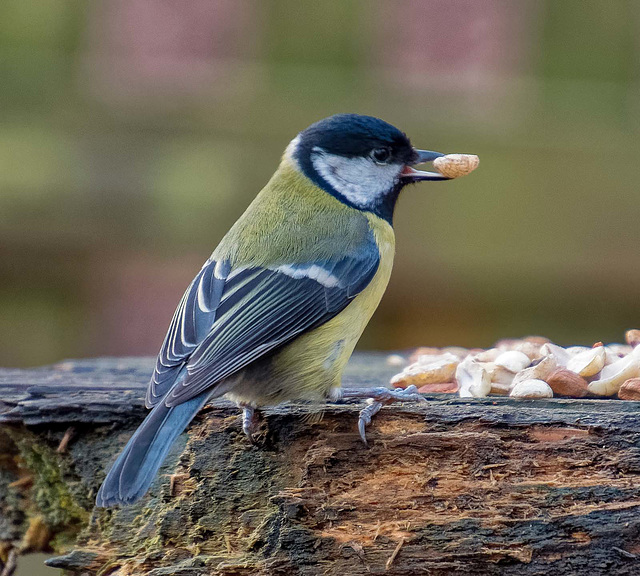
(276, 311)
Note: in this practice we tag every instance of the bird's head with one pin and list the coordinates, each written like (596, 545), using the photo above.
(361, 160)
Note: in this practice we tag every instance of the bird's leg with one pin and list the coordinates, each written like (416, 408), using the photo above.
(376, 398)
(250, 421)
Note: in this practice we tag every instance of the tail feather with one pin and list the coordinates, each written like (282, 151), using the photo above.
(132, 473)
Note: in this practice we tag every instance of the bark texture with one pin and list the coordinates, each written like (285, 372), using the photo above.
(493, 486)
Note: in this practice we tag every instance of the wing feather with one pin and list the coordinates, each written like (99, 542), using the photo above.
(229, 318)
(191, 322)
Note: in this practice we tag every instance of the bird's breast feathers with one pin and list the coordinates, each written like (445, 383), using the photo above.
(311, 366)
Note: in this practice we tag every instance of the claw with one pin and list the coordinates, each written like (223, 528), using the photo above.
(376, 399)
(250, 422)
(366, 414)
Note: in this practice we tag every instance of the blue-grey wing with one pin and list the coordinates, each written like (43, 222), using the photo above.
(190, 325)
(257, 310)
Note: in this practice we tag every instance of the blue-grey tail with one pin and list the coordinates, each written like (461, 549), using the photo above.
(132, 473)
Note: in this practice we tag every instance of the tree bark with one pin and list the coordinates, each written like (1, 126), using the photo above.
(453, 486)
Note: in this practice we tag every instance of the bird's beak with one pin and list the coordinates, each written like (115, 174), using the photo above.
(410, 174)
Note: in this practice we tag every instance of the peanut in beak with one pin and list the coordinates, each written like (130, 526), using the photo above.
(456, 165)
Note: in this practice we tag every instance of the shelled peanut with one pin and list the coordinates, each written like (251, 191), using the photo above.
(531, 367)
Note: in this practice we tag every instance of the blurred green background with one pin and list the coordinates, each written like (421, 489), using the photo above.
(133, 133)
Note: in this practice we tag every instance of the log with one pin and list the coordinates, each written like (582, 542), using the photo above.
(452, 486)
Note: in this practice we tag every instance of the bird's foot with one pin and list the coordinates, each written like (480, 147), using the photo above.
(376, 398)
(250, 421)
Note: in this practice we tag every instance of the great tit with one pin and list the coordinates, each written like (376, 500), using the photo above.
(276, 311)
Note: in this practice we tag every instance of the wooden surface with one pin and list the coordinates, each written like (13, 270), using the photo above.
(492, 486)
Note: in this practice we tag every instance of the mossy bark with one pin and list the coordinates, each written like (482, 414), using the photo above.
(478, 487)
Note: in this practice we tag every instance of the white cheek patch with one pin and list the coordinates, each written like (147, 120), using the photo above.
(313, 271)
(360, 180)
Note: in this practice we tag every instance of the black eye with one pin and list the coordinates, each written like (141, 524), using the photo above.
(381, 155)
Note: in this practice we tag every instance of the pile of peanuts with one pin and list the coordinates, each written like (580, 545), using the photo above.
(532, 367)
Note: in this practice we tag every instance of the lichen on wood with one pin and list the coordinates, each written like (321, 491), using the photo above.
(455, 486)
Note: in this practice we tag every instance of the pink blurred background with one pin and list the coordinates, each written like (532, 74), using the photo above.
(134, 133)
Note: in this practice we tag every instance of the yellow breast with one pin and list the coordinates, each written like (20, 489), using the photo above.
(314, 362)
